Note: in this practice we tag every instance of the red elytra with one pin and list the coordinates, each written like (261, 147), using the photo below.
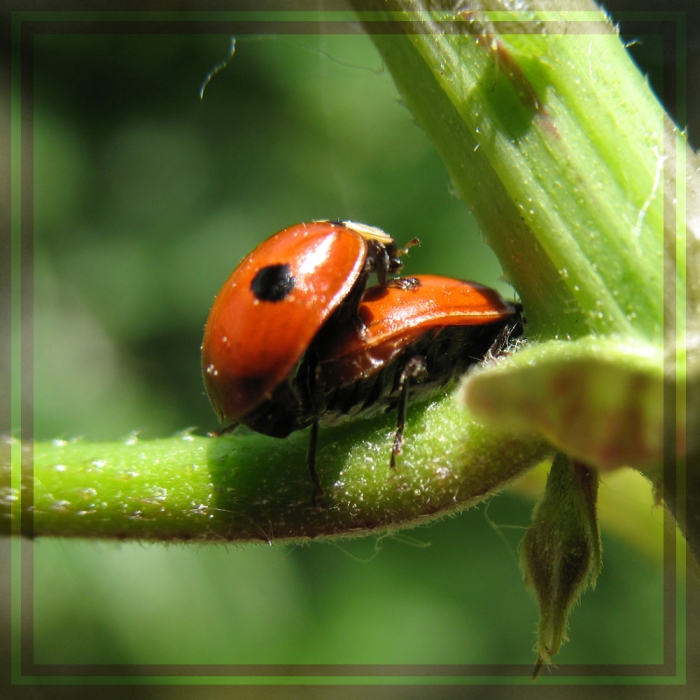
(394, 316)
(267, 316)
(415, 336)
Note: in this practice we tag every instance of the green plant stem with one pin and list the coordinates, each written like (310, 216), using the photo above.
(554, 139)
(253, 488)
(576, 177)
(568, 162)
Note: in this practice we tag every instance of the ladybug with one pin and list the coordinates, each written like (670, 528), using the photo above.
(415, 335)
(261, 338)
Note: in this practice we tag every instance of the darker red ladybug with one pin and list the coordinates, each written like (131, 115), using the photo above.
(415, 336)
(260, 342)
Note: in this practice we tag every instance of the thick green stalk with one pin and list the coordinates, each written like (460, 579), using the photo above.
(571, 167)
(553, 138)
(577, 179)
(251, 488)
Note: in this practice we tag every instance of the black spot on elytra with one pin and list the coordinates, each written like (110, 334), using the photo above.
(272, 283)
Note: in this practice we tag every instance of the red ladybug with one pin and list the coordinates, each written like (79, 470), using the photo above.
(415, 336)
(259, 348)
(291, 340)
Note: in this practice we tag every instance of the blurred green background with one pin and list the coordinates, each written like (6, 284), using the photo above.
(146, 199)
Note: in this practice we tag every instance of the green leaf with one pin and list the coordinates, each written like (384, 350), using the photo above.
(600, 400)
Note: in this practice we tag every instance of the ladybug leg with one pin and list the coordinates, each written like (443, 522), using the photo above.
(506, 339)
(311, 461)
(416, 368)
(383, 262)
(314, 391)
(389, 263)
(406, 284)
(395, 254)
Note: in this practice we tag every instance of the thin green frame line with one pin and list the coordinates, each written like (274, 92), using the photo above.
(18, 18)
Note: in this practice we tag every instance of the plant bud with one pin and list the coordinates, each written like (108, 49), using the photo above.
(560, 552)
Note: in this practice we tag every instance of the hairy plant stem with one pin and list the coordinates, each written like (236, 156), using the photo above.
(570, 166)
(589, 196)
(252, 488)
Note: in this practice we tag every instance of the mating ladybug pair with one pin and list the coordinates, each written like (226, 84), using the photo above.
(295, 337)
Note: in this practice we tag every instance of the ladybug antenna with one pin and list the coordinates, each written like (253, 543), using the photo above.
(410, 244)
